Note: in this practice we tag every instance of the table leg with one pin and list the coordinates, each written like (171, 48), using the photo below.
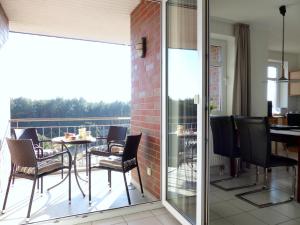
(86, 160)
(298, 172)
(62, 161)
(76, 172)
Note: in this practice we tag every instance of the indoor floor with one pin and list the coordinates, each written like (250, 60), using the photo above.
(227, 209)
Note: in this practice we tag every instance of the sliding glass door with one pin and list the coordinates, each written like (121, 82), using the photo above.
(184, 111)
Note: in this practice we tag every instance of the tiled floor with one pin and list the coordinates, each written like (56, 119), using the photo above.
(152, 217)
(227, 209)
(54, 204)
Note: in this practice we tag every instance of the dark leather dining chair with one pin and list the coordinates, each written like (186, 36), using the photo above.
(225, 143)
(124, 163)
(293, 119)
(25, 164)
(255, 146)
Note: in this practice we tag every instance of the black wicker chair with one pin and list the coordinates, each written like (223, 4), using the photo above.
(25, 164)
(124, 163)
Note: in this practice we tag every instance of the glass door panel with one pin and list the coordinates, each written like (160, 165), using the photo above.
(183, 83)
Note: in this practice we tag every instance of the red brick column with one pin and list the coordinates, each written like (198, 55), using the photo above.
(146, 91)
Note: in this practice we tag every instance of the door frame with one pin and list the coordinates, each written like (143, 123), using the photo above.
(202, 116)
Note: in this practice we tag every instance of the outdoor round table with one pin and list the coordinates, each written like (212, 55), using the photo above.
(64, 144)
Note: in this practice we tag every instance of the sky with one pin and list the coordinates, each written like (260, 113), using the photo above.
(184, 74)
(39, 67)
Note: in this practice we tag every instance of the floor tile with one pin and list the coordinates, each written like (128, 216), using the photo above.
(214, 216)
(291, 210)
(139, 215)
(241, 204)
(269, 216)
(110, 221)
(291, 222)
(160, 211)
(224, 209)
(146, 221)
(244, 219)
(220, 222)
(167, 219)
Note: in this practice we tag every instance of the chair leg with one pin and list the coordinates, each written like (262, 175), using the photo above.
(13, 178)
(127, 192)
(7, 191)
(257, 175)
(31, 199)
(294, 183)
(138, 170)
(42, 185)
(109, 178)
(265, 178)
(90, 180)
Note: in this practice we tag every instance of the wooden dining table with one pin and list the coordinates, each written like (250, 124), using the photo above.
(289, 136)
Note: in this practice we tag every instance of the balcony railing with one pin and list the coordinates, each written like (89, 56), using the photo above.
(54, 127)
(48, 128)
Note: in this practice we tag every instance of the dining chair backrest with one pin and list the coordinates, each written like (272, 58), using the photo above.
(131, 147)
(22, 152)
(224, 136)
(27, 133)
(293, 119)
(254, 136)
(116, 133)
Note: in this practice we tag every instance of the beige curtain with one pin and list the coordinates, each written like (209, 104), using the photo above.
(241, 91)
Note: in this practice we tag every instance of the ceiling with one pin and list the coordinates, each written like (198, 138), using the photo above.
(99, 20)
(264, 13)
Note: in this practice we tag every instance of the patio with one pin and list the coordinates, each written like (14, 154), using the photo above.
(54, 204)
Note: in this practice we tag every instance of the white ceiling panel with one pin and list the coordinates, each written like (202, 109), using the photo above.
(100, 20)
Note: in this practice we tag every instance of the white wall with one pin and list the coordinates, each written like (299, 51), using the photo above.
(291, 58)
(259, 60)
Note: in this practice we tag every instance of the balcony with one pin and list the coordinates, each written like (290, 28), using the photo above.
(54, 203)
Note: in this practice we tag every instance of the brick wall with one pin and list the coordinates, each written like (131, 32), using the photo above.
(146, 89)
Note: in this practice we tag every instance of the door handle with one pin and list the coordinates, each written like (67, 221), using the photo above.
(197, 99)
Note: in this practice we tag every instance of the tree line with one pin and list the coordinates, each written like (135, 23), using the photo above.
(63, 108)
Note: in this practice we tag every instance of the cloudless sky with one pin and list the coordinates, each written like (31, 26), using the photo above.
(40, 67)
(184, 73)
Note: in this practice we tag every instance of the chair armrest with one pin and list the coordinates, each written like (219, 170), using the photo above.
(101, 138)
(45, 140)
(57, 154)
(119, 142)
(116, 144)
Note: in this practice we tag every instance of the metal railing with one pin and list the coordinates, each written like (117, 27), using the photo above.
(53, 127)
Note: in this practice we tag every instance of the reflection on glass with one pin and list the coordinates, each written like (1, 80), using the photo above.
(183, 80)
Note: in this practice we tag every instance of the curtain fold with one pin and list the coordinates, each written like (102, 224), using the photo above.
(242, 94)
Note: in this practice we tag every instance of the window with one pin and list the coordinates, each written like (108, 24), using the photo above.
(217, 77)
(272, 86)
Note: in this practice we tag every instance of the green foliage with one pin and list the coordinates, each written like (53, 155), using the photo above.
(63, 108)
